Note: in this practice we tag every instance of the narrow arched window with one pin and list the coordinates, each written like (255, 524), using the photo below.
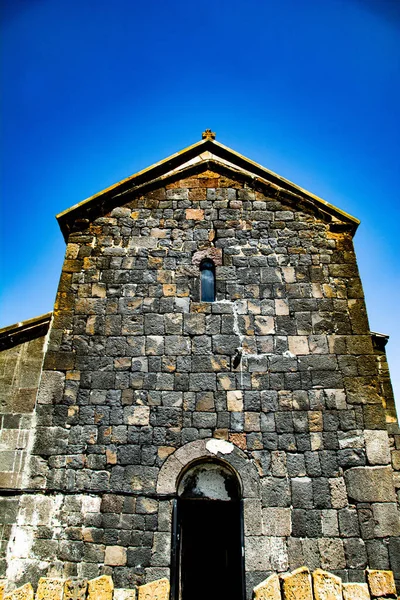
(207, 281)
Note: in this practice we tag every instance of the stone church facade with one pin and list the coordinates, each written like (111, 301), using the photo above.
(141, 400)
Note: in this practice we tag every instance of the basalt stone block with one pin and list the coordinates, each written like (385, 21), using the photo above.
(387, 519)
(370, 484)
(50, 440)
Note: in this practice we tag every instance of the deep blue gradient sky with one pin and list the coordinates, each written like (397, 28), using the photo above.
(93, 91)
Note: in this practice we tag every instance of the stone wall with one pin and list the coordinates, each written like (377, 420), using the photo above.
(281, 366)
(21, 358)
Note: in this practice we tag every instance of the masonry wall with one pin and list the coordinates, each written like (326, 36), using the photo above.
(138, 370)
(20, 369)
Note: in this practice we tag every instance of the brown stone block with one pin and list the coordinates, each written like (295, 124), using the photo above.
(225, 182)
(315, 420)
(239, 439)
(100, 588)
(156, 590)
(297, 585)
(169, 289)
(158, 194)
(326, 586)
(197, 194)
(72, 266)
(59, 361)
(381, 584)
(24, 592)
(49, 589)
(24, 400)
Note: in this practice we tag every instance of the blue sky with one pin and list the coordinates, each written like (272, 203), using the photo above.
(93, 91)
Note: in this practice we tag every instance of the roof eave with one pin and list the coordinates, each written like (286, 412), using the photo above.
(180, 158)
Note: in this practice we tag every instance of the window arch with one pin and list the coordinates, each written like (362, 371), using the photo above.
(207, 281)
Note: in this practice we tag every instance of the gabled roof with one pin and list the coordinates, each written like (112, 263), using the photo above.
(24, 331)
(207, 152)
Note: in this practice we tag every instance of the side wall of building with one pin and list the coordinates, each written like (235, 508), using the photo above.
(281, 366)
(20, 370)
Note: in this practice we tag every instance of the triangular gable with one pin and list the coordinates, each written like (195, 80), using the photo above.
(206, 153)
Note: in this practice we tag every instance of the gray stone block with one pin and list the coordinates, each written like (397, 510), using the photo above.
(370, 484)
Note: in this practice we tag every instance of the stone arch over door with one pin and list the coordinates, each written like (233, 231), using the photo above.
(248, 477)
(207, 449)
(215, 517)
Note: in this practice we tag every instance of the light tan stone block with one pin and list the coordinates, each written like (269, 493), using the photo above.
(297, 585)
(326, 586)
(197, 214)
(49, 589)
(234, 400)
(269, 589)
(169, 289)
(355, 591)
(75, 589)
(139, 416)
(24, 592)
(281, 307)
(115, 556)
(298, 344)
(100, 588)
(124, 594)
(381, 583)
(156, 590)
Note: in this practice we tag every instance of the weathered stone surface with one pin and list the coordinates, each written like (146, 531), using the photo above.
(326, 586)
(49, 589)
(355, 591)
(124, 594)
(114, 556)
(370, 484)
(25, 592)
(377, 447)
(277, 377)
(387, 519)
(381, 584)
(276, 521)
(100, 588)
(297, 585)
(156, 590)
(269, 589)
(75, 589)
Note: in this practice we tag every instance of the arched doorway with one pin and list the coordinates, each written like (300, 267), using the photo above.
(208, 534)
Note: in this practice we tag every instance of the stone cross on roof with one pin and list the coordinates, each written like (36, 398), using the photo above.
(208, 135)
